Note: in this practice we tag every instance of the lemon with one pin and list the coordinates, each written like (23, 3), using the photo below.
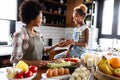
(22, 65)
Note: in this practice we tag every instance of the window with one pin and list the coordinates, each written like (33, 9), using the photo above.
(118, 30)
(109, 35)
(107, 17)
(8, 9)
(4, 31)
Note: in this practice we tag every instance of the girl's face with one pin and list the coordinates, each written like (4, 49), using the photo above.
(38, 20)
(77, 18)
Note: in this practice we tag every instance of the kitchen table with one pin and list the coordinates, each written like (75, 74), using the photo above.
(41, 71)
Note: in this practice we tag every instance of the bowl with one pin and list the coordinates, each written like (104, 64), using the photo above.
(28, 78)
(106, 76)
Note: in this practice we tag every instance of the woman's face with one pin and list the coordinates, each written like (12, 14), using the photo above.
(77, 18)
(38, 20)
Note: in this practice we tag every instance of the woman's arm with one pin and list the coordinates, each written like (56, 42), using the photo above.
(39, 63)
(17, 49)
(60, 44)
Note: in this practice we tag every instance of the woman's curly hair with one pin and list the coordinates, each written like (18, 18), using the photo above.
(29, 10)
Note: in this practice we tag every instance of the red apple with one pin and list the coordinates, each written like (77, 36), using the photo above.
(34, 69)
(28, 73)
(19, 75)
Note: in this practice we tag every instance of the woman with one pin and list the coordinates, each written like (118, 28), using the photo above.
(80, 35)
(27, 44)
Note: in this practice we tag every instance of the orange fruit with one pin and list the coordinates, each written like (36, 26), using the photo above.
(114, 62)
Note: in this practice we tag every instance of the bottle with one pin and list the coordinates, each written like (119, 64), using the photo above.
(44, 19)
(61, 1)
(59, 10)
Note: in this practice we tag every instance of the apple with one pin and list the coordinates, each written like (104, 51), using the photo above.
(117, 72)
(28, 73)
(34, 69)
(19, 75)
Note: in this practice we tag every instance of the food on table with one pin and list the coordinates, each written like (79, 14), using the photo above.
(12, 72)
(21, 70)
(49, 73)
(72, 59)
(117, 72)
(57, 72)
(33, 68)
(66, 71)
(22, 65)
(114, 62)
(63, 64)
(81, 73)
(105, 67)
(61, 71)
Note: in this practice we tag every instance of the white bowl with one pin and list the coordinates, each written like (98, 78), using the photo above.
(28, 78)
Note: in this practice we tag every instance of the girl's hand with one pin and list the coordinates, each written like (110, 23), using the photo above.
(62, 44)
(70, 41)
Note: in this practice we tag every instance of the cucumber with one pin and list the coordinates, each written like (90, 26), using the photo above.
(63, 64)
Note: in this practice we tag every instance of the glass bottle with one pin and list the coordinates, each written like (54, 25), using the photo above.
(44, 19)
(61, 1)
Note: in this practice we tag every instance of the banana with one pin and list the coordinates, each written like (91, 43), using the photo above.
(101, 63)
(106, 69)
(112, 69)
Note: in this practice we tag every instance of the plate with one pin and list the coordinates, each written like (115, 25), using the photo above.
(44, 77)
(28, 78)
(106, 76)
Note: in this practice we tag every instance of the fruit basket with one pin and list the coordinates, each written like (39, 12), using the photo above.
(100, 75)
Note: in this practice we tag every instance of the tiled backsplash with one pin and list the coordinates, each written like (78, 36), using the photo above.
(56, 33)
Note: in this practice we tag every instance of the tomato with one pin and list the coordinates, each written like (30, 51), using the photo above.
(34, 69)
(28, 73)
(19, 75)
(74, 60)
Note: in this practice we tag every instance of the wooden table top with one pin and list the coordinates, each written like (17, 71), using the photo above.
(44, 69)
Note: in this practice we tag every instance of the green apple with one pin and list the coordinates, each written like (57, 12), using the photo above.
(117, 72)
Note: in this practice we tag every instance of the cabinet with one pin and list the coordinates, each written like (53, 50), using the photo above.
(70, 7)
(92, 13)
(54, 13)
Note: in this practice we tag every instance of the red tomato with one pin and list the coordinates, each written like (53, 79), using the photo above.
(33, 69)
(19, 75)
(74, 60)
(28, 73)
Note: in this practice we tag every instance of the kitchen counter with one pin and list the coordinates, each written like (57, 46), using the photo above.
(5, 50)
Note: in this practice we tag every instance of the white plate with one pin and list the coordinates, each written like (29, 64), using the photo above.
(44, 77)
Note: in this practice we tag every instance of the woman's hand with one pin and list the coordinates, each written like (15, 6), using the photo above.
(39, 63)
(62, 44)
